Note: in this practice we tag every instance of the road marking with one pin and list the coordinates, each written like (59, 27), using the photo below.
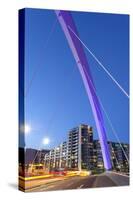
(95, 181)
(80, 187)
(120, 174)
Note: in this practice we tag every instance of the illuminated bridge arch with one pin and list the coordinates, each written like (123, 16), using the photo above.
(66, 21)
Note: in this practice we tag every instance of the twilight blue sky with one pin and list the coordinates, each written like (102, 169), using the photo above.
(56, 99)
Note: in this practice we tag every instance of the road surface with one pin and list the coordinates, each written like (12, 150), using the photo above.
(103, 180)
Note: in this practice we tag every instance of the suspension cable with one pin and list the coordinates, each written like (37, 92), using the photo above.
(111, 125)
(36, 68)
(97, 60)
(116, 158)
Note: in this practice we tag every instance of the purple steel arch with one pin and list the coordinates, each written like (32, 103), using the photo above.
(66, 21)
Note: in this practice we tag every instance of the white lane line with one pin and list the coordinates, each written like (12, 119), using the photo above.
(80, 187)
(120, 174)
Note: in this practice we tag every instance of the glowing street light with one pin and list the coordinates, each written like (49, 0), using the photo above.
(25, 128)
(46, 141)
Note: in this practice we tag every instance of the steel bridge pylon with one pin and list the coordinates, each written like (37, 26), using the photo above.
(67, 23)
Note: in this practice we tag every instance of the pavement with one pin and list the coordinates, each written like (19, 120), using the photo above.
(108, 179)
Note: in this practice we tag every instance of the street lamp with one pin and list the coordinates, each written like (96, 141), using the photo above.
(25, 128)
(46, 141)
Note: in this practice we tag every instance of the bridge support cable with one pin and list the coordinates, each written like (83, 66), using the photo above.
(97, 60)
(115, 134)
(109, 121)
(116, 159)
(34, 159)
(36, 69)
